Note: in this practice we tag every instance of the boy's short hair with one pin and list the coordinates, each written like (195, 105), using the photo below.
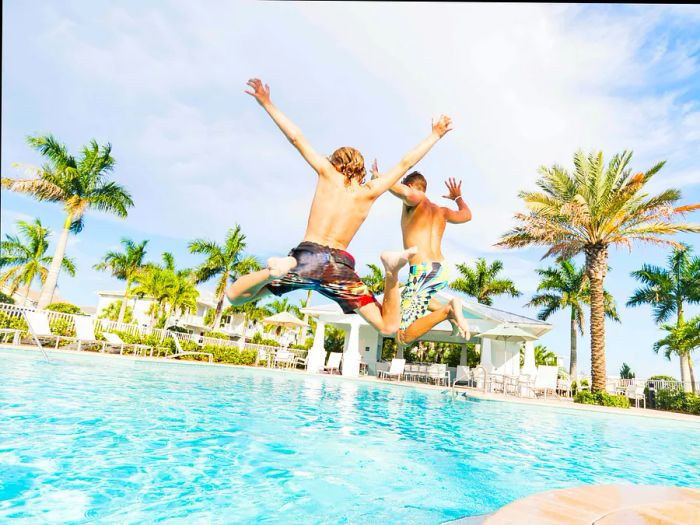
(415, 179)
(350, 163)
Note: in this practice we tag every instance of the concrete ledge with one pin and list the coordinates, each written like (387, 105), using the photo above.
(604, 505)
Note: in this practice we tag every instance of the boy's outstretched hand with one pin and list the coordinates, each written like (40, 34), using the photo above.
(260, 92)
(454, 189)
(442, 126)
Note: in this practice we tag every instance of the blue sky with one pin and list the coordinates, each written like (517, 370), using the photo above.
(526, 86)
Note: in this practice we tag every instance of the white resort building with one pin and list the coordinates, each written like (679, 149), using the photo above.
(364, 343)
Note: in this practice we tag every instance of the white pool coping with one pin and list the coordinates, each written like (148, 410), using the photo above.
(470, 393)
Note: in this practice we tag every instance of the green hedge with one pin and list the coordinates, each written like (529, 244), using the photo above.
(602, 399)
(65, 308)
(677, 401)
(231, 355)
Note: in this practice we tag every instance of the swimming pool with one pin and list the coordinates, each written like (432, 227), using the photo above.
(101, 439)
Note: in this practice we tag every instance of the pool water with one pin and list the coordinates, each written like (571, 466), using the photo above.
(96, 439)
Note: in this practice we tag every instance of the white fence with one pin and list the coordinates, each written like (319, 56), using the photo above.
(101, 325)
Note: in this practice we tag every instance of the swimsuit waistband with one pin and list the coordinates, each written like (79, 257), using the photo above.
(337, 253)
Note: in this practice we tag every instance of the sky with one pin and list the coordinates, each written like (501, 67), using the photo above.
(526, 86)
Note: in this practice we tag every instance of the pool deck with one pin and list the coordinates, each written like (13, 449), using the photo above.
(603, 505)
(467, 393)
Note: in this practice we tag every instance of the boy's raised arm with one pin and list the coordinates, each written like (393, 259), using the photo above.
(391, 177)
(261, 93)
(454, 193)
(410, 196)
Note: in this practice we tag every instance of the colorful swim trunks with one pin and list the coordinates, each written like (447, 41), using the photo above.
(424, 281)
(328, 271)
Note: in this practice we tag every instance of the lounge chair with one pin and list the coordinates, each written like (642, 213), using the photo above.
(284, 358)
(114, 339)
(333, 363)
(395, 370)
(85, 332)
(546, 380)
(180, 352)
(636, 393)
(438, 372)
(38, 325)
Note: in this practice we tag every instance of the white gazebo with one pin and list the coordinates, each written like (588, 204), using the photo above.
(500, 353)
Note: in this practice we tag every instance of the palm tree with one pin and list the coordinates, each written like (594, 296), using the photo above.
(588, 211)
(626, 372)
(25, 256)
(374, 280)
(681, 339)
(226, 261)
(182, 293)
(124, 266)
(566, 286)
(667, 290)
(80, 184)
(156, 282)
(481, 282)
(543, 356)
(251, 312)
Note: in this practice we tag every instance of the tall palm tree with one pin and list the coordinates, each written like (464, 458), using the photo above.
(182, 293)
(667, 290)
(566, 286)
(589, 210)
(124, 266)
(155, 282)
(225, 261)
(482, 282)
(680, 339)
(79, 184)
(375, 279)
(25, 256)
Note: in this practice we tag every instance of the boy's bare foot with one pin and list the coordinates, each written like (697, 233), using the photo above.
(459, 320)
(279, 266)
(394, 261)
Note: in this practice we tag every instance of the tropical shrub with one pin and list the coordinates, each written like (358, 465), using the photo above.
(260, 340)
(662, 378)
(677, 401)
(62, 327)
(4, 298)
(601, 398)
(231, 355)
(65, 308)
(217, 335)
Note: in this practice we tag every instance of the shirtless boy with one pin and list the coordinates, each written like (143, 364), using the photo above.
(340, 205)
(422, 225)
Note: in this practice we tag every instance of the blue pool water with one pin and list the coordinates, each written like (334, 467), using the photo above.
(94, 439)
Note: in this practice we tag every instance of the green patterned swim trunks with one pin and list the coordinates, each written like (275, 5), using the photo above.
(424, 281)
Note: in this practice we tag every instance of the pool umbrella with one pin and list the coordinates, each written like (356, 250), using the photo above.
(284, 319)
(508, 332)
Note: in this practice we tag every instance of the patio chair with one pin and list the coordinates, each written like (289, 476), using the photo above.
(38, 325)
(546, 380)
(333, 363)
(480, 377)
(284, 358)
(635, 392)
(114, 339)
(85, 332)
(422, 374)
(395, 370)
(564, 386)
(437, 372)
(463, 375)
(180, 352)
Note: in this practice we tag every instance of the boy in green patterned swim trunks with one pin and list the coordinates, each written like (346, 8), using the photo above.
(423, 225)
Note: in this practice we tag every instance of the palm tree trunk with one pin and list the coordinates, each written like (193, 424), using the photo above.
(52, 278)
(220, 302)
(596, 268)
(122, 309)
(691, 374)
(572, 359)
(686, 364)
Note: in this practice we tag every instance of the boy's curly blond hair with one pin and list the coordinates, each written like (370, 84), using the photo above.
(350, 163)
